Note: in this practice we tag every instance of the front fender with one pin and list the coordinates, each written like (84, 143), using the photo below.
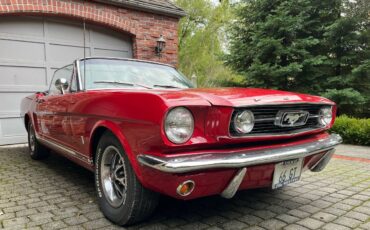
(118, 132)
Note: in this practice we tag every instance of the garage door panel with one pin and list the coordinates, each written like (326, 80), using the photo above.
(13, 140)
(12, 127)
(22, 26)
(12, 130)
(29, 89)
(32, 48)
(22, 63)
(66, 54)
(66, 32)
(109, 39)
(20, 50)
(111, 53)
(10, 101)
(19, 75)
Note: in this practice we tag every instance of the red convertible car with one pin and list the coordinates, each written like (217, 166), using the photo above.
(144, 130)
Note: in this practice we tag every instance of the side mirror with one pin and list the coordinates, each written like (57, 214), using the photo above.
(61, 84)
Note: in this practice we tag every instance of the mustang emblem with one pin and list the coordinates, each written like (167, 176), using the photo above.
(293, 118)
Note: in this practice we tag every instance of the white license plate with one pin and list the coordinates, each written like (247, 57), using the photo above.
(287, 172)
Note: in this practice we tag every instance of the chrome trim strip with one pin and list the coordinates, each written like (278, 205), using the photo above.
(286, 134)
(64, 149)
(265, 119)
(274, 118)
(80, 88)
(286, 103)
(126, 59)
(185, 164)
(234, 184)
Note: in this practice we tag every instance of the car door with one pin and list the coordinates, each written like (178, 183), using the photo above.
(52, 109)
(76, 119)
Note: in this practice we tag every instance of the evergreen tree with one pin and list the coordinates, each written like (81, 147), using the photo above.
(279, 43)
(348, 38)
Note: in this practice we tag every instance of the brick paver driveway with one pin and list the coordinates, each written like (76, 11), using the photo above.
(55, 194)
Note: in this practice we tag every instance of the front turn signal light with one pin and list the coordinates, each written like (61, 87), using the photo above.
(186, 188)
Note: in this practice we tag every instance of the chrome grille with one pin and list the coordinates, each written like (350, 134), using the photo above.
(265, 119)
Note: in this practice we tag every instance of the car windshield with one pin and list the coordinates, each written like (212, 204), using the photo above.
(115, 73)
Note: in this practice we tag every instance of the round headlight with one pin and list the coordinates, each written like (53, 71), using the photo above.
(325, 116)
(179, 125)
(244, 121)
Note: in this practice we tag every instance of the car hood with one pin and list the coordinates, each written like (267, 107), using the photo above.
(237, 97)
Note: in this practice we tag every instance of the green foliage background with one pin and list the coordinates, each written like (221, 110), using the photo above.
(309, 46)
(202, 34)
(353, 130)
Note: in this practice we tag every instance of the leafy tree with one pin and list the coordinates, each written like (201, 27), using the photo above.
(201, 39)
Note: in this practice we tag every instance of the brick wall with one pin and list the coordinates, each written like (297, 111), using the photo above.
(145, 28)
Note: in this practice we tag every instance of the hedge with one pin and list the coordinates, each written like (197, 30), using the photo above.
(353, 130)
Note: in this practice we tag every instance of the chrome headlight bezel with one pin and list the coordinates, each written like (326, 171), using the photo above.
(244, 121)
(179, 125)
(325, 116)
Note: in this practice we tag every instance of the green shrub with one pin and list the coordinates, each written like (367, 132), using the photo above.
(353, 130)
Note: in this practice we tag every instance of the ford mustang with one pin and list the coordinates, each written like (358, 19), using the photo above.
(144, 130)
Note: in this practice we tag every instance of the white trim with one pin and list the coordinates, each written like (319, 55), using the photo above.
(10, 114)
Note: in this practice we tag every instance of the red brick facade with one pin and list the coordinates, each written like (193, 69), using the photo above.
(145, 28)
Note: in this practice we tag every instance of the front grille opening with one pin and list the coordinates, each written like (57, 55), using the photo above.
(265, 119)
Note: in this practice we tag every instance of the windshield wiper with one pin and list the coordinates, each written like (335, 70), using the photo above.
(167, 86)
(122, 83)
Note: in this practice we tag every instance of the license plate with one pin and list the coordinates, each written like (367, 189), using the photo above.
(287, 172)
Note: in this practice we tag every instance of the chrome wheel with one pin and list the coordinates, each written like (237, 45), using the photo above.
(113, 176)
(121, 197)
(32, 139)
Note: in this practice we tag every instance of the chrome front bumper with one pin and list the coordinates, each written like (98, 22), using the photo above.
(242, 159)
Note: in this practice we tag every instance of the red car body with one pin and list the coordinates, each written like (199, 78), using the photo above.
(72, 124)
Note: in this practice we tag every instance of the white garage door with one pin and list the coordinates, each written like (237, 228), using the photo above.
(31, 48)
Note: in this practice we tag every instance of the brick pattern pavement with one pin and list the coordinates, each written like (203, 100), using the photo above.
(57, 194)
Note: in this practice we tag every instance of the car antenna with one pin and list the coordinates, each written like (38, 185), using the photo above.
(84, 23)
